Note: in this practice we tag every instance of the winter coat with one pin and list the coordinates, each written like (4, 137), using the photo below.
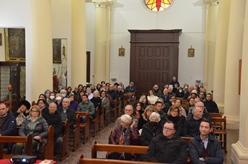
(142, 121)
(167, 106)
(97, 103)
(130, 90)
(164, 150)
(196, 151)
(131, 138)
(73, 105)
(180, 94)
(84, 107)
(175, 82)
(165, 98)
(147, 134)
(9, 125)
(179, 123)
(113, 94)
(70, 116)
(56, 122)
(157, 93)
(41, 128)
(191, 126)
(211, 106)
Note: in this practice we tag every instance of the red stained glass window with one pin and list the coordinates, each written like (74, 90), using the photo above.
(158, 5)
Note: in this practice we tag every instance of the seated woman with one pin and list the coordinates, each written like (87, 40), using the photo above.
(189, 104)
(138, 110)
(144, 118)
(96, 100)
(42, 96)
(178, 102)
(42, 106)
(143, 101)
(51, 98)
(151, 98)
(22, 112)
(73, 104)
(124, 134)
(105, 102)
(174, 116)
(79, 97)
(35, 125)
(68, 91)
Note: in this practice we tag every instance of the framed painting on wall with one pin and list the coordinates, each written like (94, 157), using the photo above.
(15, 44)
(57, 51)
(191, 52)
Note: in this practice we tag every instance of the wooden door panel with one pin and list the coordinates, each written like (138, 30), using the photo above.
(153, 58)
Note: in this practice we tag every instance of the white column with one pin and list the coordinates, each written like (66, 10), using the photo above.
(41, 47)
(210, 41)
(239, 151)
(220, 53)
(102, 39)
(78, 43)
(234, 54)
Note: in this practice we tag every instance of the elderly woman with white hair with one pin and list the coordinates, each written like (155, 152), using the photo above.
(124, 134)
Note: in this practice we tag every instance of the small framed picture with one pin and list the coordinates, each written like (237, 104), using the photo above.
(121, 51)
(1, 40)
(191, 52)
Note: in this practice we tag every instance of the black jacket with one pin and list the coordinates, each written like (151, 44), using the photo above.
(180, 94)
(186, 95)
(165, 150)
(191, 127)
(147, 134)
(9, 125)
(211, 106)
(175, 82)
(113, 94)
(167, 106)
(97, 101)
(179, 123)
(70, 116)
(165, 98)
(56, 122)
(215, 155)
(142, 122)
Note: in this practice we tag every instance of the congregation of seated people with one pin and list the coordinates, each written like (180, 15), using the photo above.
(157, 120)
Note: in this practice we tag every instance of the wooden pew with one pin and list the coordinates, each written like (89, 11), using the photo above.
(102, 118)
(48, 150)
(95, 122)
(17, 139)
(119, 107)
(85, 126)
(76, 134)
(65, 146)
(221, 132)
(216, 114)
(83, 160)
(114, 110)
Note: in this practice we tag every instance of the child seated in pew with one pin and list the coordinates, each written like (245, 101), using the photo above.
(124, 134)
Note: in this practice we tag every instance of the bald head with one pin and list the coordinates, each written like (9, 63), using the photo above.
(52, 108)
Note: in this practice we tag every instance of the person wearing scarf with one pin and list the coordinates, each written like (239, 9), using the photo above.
(22, 112)
(124, 134)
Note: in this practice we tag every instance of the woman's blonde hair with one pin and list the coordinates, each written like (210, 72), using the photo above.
(172, 108)
(35, 107)
(148, 108)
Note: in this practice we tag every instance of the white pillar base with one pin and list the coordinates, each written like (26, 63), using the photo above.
(239, 154)
(232, 122)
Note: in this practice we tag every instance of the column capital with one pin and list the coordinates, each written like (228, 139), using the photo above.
(103, 3)
(211, 2)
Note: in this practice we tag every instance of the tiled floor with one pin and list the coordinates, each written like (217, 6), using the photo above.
(102, 137)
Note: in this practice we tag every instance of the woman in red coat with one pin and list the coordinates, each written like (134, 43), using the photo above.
(124, 134)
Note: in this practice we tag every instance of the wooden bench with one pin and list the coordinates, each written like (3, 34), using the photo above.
(76, 134)
(95, 122)
(119, 107)
(114, 110)
(65, 146)
(216, 114)
(216, 125)
(221, 132)
(102, 118)
(17, 139)
(85, 126)
(83, 160)
(48, 150)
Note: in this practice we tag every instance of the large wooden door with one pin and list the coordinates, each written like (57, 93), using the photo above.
(154, 58)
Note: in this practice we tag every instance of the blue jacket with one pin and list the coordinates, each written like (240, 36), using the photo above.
(9, 125)
(215, 155)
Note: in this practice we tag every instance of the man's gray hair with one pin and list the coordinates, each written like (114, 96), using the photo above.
(130, 106)
(67, 99)
(194, 110)
(199, 102)
(119, 86)
(53, 103)
(58, 94)
(96, 92)
(63, 90)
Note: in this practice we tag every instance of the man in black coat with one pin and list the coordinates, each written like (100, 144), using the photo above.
(53, 118)
(165, 95)
(204, 148)
(210, 104)
(169, 103)
(113, 94)
(167, 148)
(67, 113)
(120, 94)
(158, 109)
(7, 124)
(191, 125)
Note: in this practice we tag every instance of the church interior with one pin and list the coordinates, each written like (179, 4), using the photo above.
(51, 44)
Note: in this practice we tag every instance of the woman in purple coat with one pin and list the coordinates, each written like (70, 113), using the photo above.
(124, 134)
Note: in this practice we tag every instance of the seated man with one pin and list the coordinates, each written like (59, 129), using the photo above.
(128, 110)
(120, 94)
(198, 103)
(53, 118)
(85, 106)
(158, 109)
(210, 104)
(113, 94)
(131, 88)
(157, 91)
(169, 103)
(67, 113)
(204, 148)
(7, 124)
(202, 96)
(187, 94)
(167, 148)
(191, 125)
(165, 95)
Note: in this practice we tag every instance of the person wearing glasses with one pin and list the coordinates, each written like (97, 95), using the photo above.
(144, 117)
(35, 125)
(128, 110)
(167, 147)
(204, 148)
